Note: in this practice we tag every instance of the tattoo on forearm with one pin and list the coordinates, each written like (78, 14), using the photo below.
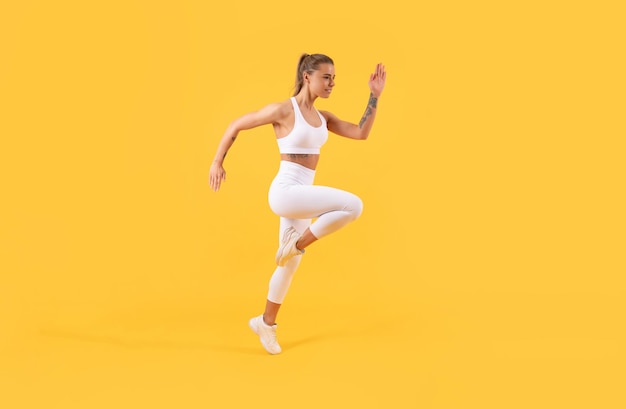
(373, 101)
(367, 113)
(233, 138)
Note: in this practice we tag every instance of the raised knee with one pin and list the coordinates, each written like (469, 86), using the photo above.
(357, 207)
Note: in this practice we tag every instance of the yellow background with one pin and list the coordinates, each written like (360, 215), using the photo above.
(487, 268)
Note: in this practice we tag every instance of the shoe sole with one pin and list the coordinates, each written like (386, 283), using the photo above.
(282, 248)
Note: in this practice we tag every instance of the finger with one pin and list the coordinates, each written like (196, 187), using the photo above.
(383, 73)
(218, 181)
(215, 183)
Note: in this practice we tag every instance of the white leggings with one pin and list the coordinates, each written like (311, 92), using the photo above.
(294, 198)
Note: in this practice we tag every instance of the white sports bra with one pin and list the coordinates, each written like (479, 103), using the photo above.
(303, 138)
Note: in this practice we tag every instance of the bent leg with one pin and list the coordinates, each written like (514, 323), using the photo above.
(333, 208)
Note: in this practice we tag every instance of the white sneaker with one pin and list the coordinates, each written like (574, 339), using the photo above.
(288, 248)
(267, 334)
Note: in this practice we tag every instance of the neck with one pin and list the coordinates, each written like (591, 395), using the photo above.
(305, 99)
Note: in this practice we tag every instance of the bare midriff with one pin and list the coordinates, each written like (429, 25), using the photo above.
(308, 160)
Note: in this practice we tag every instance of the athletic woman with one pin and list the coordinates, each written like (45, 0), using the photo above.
(301, 130)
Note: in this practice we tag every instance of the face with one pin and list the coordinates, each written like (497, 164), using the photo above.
(322, 81)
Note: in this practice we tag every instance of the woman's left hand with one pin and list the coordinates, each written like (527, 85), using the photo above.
(377, 80)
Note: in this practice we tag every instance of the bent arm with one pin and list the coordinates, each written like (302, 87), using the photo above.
(351, 130)
(362, 130)
(266, 115)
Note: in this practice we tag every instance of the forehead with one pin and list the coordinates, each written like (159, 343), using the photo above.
(326, 69)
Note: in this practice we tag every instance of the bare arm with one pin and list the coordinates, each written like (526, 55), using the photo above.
(362, 130)
(266, 115)
(351, 130)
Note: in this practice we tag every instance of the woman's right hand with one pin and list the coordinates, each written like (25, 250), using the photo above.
(216, 175)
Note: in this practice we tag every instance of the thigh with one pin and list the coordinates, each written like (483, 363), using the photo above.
(309, 201)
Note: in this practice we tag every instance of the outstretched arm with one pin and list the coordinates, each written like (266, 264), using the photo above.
(267, 115)
(362, 130)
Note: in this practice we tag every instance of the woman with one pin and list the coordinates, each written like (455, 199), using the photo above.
(300, 130)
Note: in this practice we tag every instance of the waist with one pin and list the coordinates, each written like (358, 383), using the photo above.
(292, 173)
(308, 160)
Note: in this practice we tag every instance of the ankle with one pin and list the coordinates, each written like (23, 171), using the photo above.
(299, 246)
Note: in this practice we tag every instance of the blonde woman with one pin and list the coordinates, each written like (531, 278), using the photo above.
(301, 130)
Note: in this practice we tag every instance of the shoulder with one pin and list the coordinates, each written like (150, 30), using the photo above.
(328, 116)
(272, 113)
(278, 109)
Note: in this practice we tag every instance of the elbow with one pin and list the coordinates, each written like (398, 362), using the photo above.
(363, 132)
(233, 127)
(238, 125)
